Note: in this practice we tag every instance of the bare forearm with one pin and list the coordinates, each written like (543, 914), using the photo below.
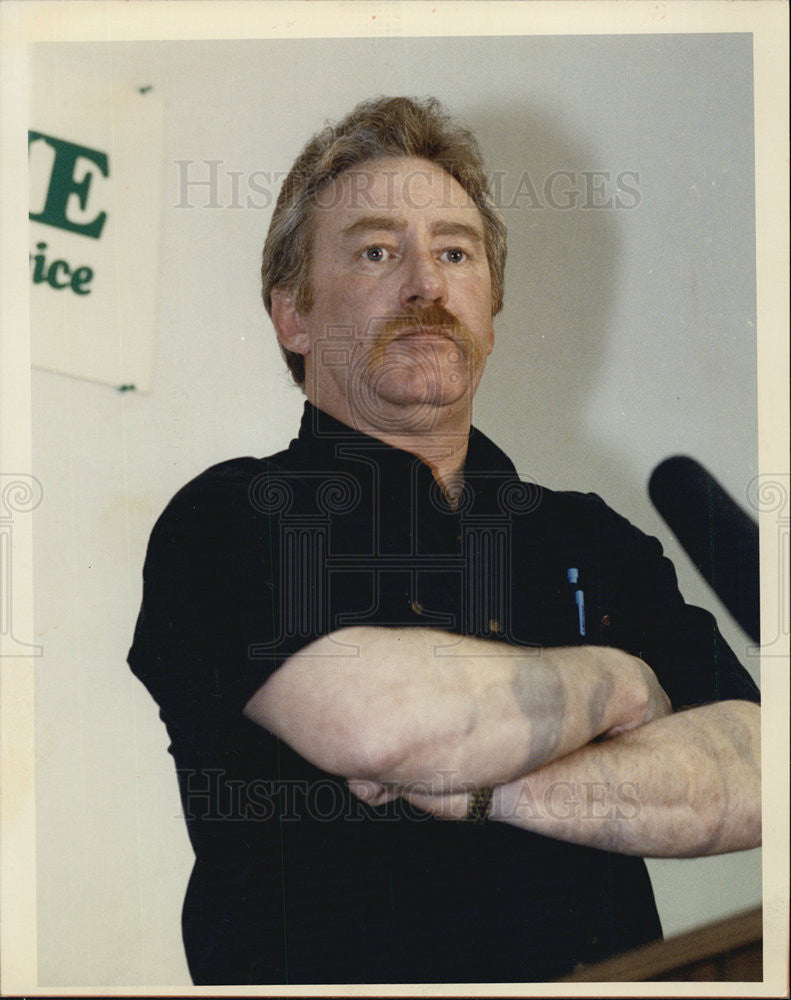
(404, 705)
(683, 786)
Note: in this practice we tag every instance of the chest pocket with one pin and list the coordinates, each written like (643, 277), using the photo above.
(552, 606)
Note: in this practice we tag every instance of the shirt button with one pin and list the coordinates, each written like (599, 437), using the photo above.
(417, 607)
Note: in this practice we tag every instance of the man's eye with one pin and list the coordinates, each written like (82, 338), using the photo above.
(455, 255)
(375, 254)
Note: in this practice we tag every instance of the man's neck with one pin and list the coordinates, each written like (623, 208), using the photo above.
(439, 438)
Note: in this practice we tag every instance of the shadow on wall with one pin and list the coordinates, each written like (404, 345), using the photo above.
(564, 252)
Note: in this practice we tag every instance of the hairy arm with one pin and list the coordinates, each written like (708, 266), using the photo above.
(686, 785)
(391, 705)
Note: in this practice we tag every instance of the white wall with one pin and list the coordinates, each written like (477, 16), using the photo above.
(628, 335)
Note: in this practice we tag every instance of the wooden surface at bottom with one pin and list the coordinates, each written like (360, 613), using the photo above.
(729, 950)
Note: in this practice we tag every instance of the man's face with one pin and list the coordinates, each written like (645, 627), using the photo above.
(400, 324)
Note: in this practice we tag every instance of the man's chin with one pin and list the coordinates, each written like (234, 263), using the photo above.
(410, 403)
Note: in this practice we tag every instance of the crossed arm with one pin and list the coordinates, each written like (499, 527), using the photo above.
(685, 785)
(580, 742)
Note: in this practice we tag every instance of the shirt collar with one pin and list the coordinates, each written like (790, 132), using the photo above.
(324, 437)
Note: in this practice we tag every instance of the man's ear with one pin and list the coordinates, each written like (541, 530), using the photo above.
(490, 343)
(288, 323)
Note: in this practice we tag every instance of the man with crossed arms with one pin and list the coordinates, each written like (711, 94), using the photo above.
(498, 764)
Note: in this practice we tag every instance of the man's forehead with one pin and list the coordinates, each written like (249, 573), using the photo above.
(393, 186)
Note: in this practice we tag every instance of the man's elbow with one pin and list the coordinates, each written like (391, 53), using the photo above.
(740, 728)
(351, 747)
(328, 732)
(739, 831)
(729, 820)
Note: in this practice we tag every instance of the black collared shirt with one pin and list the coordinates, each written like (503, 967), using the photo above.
(297, 881)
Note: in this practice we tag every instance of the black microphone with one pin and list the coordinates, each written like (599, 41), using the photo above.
(717, 535)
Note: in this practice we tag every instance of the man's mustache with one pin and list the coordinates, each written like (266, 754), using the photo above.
(433, 318)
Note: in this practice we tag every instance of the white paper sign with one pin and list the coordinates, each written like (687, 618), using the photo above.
(95, 202)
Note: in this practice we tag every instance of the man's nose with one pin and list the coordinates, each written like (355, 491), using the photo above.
(424, 281)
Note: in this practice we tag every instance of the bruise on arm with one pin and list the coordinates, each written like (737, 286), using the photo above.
(540, 693)
(541, 698)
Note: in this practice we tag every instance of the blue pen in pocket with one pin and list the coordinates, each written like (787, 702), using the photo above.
(573, 576)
